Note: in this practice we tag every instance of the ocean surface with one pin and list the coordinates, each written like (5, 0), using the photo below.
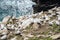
(15, 8)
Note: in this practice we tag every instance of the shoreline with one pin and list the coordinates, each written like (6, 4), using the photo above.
(41, 25)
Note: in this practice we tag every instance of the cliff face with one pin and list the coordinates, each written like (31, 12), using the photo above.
(45, 5)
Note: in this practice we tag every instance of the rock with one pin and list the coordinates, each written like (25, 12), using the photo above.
(36, 26)
(8, 25)
(41, 13)
(58, 12)
(57, 22)
(29, 35)
(54, 21)
(47, 18)
(15, 38)
(27, 22)
(50, 23)
(12, 26)
(34, 15)
(3, 32)
(29, 16)
(53, 14)
(25, 38)
(2, 26)
(41, 21)
(43, 17)
(3, 37)
(36, 20)
(50, 11)
(6, 19)
(17, 32)
(54, 8)
(58, 17)
(55, 36)
(50, 16)
(58, 9)
(38, 36)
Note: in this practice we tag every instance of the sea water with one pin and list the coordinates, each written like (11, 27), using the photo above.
(15, 7)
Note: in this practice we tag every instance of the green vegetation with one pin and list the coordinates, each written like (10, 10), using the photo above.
(56, 28)
(54, 25)
(48, 38)
(35, 38)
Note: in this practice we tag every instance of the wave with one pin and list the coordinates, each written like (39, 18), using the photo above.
(15, 8)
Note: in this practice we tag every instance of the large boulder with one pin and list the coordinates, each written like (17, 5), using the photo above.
(6, 19)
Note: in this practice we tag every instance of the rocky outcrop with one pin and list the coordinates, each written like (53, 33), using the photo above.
(43, 25)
